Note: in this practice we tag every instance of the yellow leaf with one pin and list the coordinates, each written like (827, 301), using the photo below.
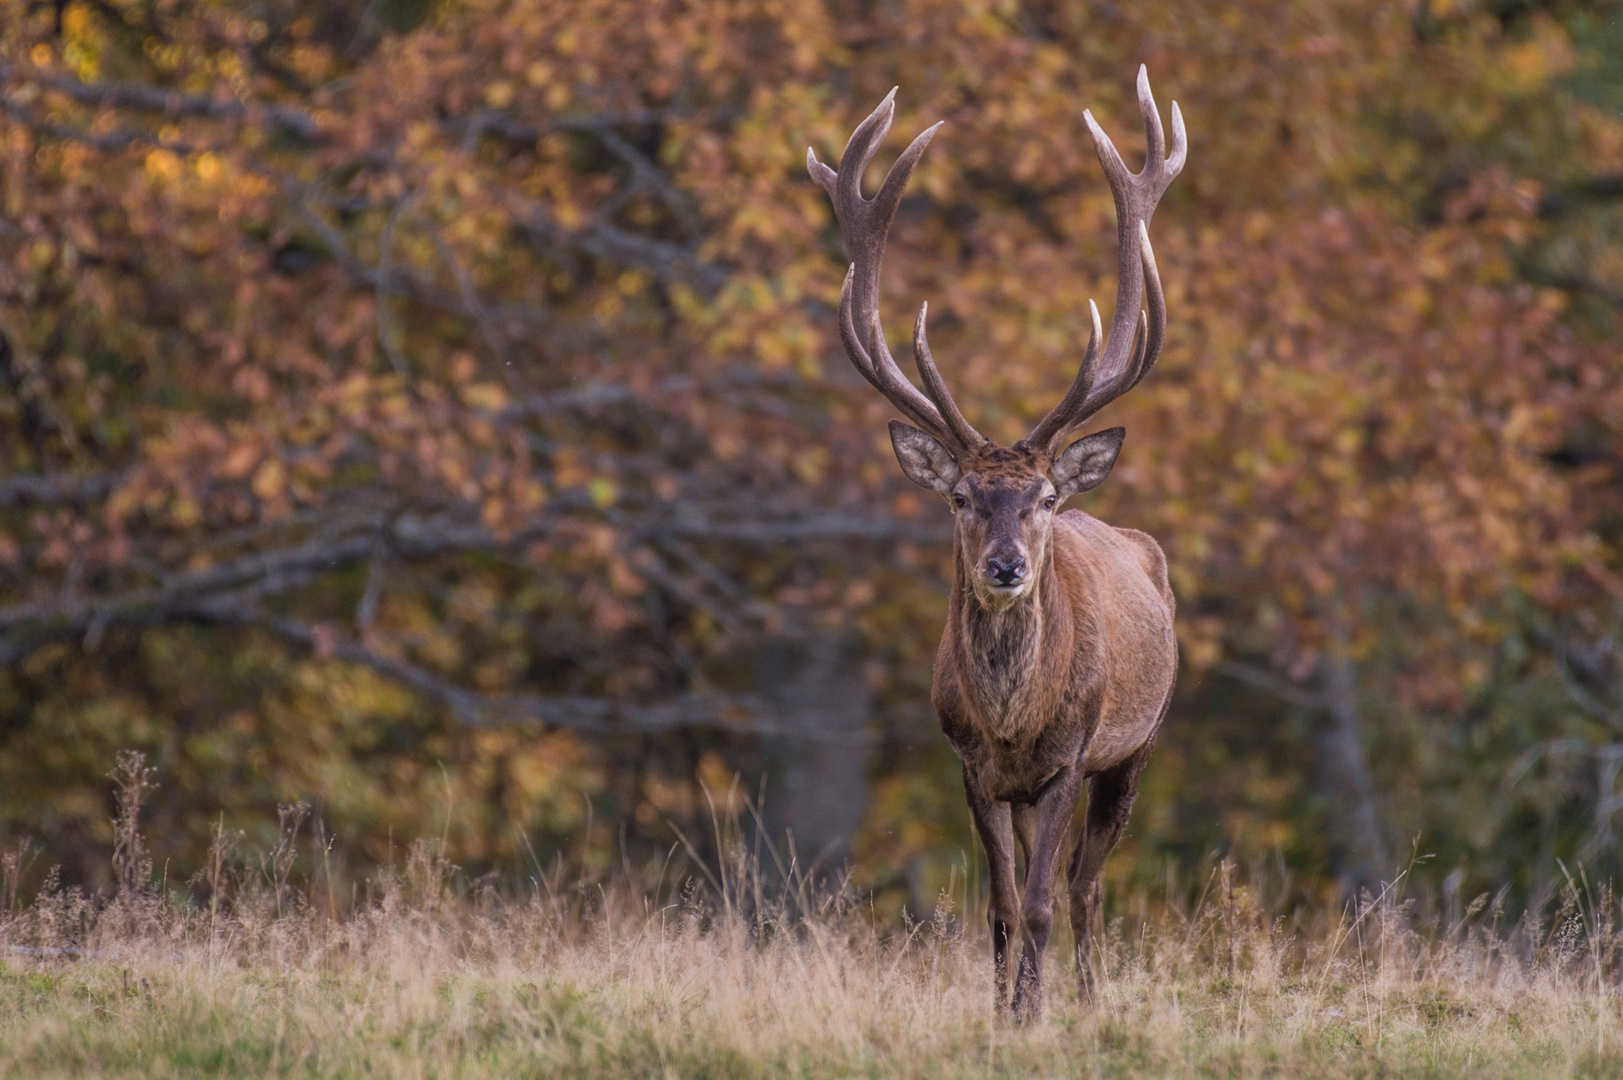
(270, 479)
(499, 95)
(163, 164)
(489, 396)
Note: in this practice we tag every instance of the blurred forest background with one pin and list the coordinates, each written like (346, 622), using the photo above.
(432, 411)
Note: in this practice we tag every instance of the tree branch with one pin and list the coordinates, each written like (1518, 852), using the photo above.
(168, 102)
(60, 488)
(1568, 197)
(668, 263)
(739, 714)
(1263, 679)
(1578, 283)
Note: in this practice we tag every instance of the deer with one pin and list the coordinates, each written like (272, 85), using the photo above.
(1058, 659)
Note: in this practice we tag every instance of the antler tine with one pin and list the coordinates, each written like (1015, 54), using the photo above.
(1050, 429)
(1134, 342)
(920, 411)
(1180, 145)
(848, 333)
(845, 186)
(905, 396)
(1150, 332)
(865, 225)
(935, 387)
(1153, 327)
(1154, 138)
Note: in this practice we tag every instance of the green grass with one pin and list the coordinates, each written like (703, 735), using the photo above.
(189, 1019)
(603, 979)
(606, 984)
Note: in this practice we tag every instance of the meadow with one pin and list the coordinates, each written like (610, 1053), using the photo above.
(741, 969)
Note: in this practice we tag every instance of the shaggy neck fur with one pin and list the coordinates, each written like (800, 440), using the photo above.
(1010, 660)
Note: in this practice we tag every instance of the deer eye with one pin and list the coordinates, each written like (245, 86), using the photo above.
(959, 501)
(1048, 503)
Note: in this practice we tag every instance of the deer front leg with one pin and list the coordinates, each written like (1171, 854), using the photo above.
(1055, 808)
(1025, 831)
(1110, 801)
(992, 821)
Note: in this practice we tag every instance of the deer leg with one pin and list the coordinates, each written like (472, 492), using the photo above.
(1055, 808)
(1110, 801)
(992, 821)
(1025, 831)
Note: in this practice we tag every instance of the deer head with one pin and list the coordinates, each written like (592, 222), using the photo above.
(1004, 498)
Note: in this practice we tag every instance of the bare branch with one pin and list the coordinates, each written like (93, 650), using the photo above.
(475, 309)
(651, 178)
(598, 716)
(1579, 283)
(1560, 200)
(385, 274)
(61, 488)
(110, 141)
(668, 263)
(487, 122)
(1263, 679)
(154, 99)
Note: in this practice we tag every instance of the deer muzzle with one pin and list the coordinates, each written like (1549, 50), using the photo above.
(1006, 571)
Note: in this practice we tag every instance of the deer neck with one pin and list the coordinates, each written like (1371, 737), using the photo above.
(1009, 660)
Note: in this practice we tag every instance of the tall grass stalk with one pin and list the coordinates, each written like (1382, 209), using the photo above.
(740, 966)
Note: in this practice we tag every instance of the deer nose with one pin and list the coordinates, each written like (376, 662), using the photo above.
(1010, 571)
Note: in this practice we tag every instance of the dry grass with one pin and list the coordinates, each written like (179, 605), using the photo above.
(418, 981)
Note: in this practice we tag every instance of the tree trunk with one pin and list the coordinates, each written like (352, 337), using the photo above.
(1361, 852)
(816, 773)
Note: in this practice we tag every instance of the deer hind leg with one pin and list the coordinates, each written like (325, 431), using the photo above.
(993, 823)
(1054, 811)
(1025, 830)
(1110, 801)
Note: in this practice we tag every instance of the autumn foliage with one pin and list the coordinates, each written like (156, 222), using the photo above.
(433, 411)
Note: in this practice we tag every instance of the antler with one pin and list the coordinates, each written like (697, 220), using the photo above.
(1128, 357)
(865, 223)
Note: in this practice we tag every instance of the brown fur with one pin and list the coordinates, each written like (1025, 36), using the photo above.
(1069, 683)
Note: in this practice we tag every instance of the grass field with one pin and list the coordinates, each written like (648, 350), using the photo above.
(418, 981)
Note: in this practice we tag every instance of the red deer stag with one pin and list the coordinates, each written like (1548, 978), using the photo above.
(1058, 657)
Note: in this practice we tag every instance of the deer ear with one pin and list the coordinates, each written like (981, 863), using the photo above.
(924, 460)
(1085, 463)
